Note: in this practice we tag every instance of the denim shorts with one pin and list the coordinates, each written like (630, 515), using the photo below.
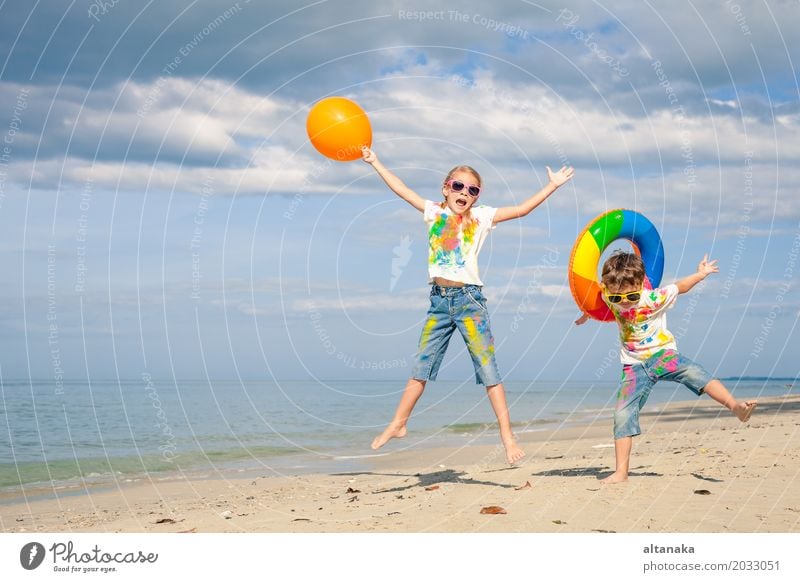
(638, 380)
(462, 308)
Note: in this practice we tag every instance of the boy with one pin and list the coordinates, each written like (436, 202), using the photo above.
(648, 351)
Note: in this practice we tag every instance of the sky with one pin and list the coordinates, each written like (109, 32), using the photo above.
(164, 213)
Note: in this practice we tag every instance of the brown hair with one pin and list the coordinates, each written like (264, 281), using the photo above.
(469, 169)
(622, 270)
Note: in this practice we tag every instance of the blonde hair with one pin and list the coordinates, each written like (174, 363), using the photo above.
(470, 170)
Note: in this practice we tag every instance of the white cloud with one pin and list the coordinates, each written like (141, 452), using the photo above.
(422, 126)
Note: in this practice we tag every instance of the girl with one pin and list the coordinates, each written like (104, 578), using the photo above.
(456, 231)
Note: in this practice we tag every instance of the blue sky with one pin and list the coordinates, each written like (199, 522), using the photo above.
(163, 211)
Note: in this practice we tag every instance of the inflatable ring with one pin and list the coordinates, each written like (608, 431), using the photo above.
(595, 238)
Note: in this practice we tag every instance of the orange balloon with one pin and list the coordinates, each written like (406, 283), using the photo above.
(337, 128)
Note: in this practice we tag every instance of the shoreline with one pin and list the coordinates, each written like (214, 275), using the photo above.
(747, 476)
(289, 464)
(298, 464)
(70, 473)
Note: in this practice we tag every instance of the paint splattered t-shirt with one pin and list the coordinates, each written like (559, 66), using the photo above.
(643, 327)
(453, 246)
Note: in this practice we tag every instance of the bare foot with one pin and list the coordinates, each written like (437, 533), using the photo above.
(615, 478)
(743, 410)
(391, 432)
(513, 452)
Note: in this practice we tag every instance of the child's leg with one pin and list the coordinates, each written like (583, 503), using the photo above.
(622, 452)
(436, 333)
(397, 428)
(497, 396)
(742, 409)
(670, 365)
(634, 389)
(472, 319)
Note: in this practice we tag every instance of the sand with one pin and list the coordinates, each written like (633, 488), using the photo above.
(694, 469)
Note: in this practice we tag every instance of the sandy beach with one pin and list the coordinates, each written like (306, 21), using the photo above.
(694, 469)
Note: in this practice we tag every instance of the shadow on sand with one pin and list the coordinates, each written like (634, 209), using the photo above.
(429, 480)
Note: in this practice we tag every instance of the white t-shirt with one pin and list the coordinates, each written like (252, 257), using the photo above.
(452, 248)
(643, 328)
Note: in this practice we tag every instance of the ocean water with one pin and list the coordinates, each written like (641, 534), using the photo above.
(79, 432)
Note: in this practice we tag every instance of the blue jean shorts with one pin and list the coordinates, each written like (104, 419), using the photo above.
(462, 308)
(638, 380)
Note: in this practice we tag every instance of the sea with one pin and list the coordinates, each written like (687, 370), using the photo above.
(69, 435)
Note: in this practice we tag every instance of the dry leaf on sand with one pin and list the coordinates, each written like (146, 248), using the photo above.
(493, 510)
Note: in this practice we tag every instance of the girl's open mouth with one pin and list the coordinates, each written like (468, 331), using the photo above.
(461, 202)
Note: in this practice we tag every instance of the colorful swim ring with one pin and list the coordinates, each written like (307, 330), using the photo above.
(595, 238)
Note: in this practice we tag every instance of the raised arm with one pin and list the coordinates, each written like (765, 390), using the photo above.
(557, 179)
(704, 269)
(395, 184)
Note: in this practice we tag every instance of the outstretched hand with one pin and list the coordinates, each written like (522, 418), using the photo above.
(368, 155)
(582, 319)
(562, 176)
(706, 267)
